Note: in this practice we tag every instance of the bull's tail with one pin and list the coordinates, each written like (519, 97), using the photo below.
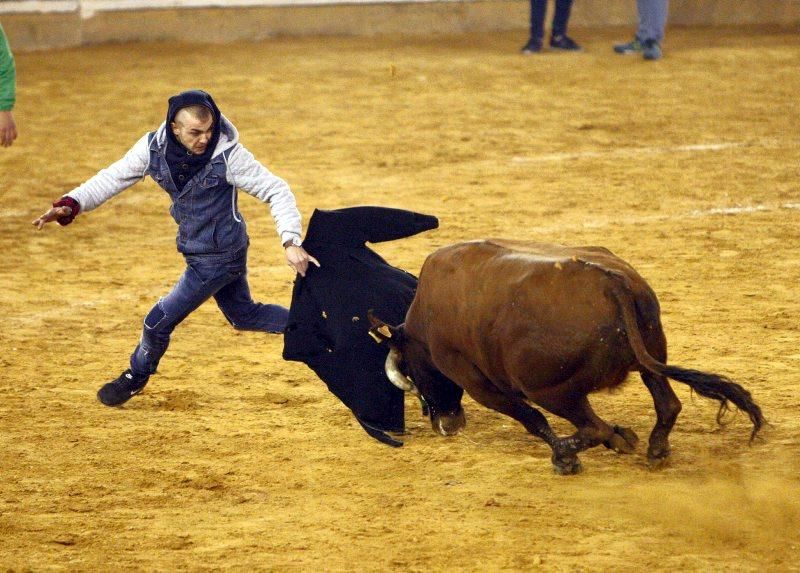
(706, 384)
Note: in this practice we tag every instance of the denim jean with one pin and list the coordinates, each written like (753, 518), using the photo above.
(652, 19)
(205, 276)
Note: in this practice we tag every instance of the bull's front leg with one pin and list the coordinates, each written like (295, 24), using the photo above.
(571, 403)
(456, 367)
(565, 450)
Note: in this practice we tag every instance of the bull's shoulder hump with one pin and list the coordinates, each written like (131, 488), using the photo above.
(593, 255)
(532, 252)
(508, 245)
(490, 252)
(537, 251)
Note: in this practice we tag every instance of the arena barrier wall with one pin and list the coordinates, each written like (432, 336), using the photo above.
(46, 24)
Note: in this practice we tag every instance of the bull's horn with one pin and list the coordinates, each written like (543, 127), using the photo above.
(395, 376)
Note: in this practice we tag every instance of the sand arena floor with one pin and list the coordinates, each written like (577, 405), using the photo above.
(234, 459)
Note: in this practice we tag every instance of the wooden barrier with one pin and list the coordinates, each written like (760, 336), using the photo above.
(45, 24)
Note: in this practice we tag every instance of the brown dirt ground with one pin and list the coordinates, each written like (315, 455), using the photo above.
(234, 459)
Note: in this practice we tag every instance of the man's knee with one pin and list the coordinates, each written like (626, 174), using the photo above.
(157, 325)
(155, 317)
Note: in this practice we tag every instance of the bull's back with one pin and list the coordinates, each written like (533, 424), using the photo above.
(508, 305)
(471, 286)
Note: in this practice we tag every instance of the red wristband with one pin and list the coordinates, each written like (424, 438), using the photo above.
(67, 201)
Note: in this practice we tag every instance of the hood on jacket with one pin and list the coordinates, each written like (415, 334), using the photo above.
(228, 134)
(183, 164)
(193, 97)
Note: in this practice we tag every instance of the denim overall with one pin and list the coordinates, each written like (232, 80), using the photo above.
(212, 236)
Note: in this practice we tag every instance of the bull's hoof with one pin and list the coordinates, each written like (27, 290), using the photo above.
(567, 466)
(622, 441)
(658, 458)
(657, 463)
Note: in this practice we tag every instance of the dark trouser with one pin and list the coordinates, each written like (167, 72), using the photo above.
(204, 277)
(560, 18)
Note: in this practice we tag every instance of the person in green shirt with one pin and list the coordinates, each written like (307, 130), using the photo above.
(8, 88)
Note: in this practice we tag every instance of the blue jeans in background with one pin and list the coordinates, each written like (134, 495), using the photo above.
(652, 19)
(224, 278)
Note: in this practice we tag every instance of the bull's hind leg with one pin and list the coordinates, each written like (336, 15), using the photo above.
(667, 409)
(483, 391)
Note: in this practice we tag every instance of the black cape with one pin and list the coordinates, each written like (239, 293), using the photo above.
(328, 326)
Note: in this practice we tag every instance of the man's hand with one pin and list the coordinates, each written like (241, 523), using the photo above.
(298, 259)
(53, 214)
(8, 129)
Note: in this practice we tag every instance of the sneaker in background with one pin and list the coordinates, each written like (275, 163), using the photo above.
(564, 43)
(534, 46)
(632, 47)
(651, 50)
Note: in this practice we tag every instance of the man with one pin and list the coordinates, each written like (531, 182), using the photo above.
(328, 327)
(196, 157)
(652, 23)
(8, 79)
(558, 35)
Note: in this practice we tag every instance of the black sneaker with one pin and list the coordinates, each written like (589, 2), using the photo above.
(121, 390)
(534, 46)
(564, 43)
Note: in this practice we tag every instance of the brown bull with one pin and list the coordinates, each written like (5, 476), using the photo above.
(516, 322)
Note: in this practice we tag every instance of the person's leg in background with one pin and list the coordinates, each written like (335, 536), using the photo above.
(650, 32)
(538, 12)
(558, 36)
(652, 23)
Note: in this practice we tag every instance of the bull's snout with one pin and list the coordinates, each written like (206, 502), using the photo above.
(449, 424)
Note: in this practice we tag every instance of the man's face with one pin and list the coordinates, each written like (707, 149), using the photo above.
(194, 134)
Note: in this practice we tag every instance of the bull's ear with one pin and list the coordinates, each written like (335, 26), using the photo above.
(380, 331)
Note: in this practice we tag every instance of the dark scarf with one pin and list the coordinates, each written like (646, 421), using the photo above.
(183, 164)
